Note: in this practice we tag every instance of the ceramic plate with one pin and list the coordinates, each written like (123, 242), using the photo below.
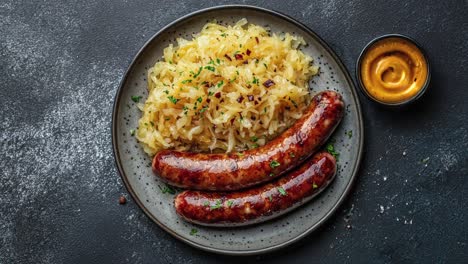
(135, 166)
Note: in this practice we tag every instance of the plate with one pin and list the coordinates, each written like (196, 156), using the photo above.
(135, 166)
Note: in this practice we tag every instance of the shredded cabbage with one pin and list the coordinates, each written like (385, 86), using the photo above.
(228, 89)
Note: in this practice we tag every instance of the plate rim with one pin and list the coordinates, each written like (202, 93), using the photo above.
(267, 249)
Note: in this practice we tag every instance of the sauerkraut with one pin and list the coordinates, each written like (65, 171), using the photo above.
(228, 89)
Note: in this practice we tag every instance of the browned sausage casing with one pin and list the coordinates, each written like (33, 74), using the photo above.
(234, 171)
(260, 203)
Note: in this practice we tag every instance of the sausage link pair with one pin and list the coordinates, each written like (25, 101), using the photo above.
(234, 171)
(260, 203)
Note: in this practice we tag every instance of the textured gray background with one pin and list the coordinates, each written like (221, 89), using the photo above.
(61, 64)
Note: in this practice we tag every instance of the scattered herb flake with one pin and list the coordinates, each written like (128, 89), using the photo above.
(314, 186)
(274, 164)
(349, 133)
(282, 191)
(167, 189)
(229, 203)
(132, 132)
(136, 98)
(294, 103)
(255, 80)
(218, 61)
(206, 203)
(271, 174)
(152, 124)
(331, 149)
(173, 99)
(198, 73)
(166, 91)
(187, 81)
(270, 198)
(210, 68)
(203, 109)
(292, 155)
(220, 83)
(264, 64)
(426, 160)
(193, 231)
(254, 139)
(217, 205)
(199, 99)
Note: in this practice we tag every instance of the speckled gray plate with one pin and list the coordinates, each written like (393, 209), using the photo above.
(134, 164)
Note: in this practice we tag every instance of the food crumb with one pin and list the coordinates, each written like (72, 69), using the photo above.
(404, 153)
(385, 178)
(382, 209)
(122, 200)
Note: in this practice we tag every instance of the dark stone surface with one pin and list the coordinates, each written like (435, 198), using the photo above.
(60, 66)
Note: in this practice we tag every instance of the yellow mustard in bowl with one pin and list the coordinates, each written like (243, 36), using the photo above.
(393, 70)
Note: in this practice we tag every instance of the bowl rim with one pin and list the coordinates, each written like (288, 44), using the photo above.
(361, 85)
(266, 249)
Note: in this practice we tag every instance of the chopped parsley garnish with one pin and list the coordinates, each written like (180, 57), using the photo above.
(270, 198)
(274, 164)
(292, 155)
(199, 99)
(264, 110)
(218, 61)
(167, 118)
(136, 98)
(282, 191)
(217, 205)
(210, 93)
(255, 145)
(425, 160)
(240, 154)
(220, 83)
(254, 139)
(264, 64)
(349, 133)
(294, 103)
(271, 174)
(206, 203)
(210, 68)
(193, 231)
(229, 203)
(203, 109)
(236, 52)
(173, 99)
(198, 73)
(231, 81)
(331, 149)
(237, 72)
(211, 62)
(255, 80)
(315, 186)
(152, 124)
(224, 35)
(185, 108)
(186, 81)
(167, 189)
(166, 91)
(132, 132)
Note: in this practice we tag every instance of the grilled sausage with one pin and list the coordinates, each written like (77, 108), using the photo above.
(234, 171)
(260, 203)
